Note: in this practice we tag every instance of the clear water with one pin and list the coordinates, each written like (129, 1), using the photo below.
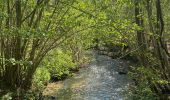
(99, 81)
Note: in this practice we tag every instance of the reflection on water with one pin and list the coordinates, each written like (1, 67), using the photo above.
(99, 81)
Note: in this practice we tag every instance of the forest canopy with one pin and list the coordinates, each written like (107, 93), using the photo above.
(53, 35)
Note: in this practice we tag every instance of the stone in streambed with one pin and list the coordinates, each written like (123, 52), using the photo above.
(122, 73)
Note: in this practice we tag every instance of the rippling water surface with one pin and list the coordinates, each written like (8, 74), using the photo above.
(99, 81)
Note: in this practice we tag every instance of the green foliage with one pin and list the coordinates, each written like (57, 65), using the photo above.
(59, 31)
(59, 63)
(30, 95)
(141, 92)
(41, 77)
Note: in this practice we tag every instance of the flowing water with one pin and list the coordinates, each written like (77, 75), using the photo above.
(100, 80)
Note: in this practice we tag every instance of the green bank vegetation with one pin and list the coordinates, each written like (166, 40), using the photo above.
(43, 40)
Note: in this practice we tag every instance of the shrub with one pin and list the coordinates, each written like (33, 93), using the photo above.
(41, 77)
(142, 90)
(59, 64)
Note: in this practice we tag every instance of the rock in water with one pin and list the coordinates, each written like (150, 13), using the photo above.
(122, 73)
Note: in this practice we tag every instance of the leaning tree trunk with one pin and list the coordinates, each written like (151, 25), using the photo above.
(160, 50)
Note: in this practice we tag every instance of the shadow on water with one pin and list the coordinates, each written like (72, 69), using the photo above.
(99, 81)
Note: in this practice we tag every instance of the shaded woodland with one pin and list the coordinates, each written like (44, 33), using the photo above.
(46, 40)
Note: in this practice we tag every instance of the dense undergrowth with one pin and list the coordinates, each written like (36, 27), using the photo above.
(149, 82)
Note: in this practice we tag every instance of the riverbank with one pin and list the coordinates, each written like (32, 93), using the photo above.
(100, 80)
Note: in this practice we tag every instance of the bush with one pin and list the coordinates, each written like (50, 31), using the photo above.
(142, 90)
(55, 66)
(59, 64)
(41, 77)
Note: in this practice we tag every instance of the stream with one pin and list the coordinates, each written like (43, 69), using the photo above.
(100, 80)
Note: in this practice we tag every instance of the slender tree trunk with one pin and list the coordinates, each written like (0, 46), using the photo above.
(161, 46)
(157, 39)
(141, 38)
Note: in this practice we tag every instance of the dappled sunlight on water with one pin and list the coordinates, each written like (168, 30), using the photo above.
(99, 81)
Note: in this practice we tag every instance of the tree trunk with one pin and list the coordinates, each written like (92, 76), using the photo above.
(141, 38)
